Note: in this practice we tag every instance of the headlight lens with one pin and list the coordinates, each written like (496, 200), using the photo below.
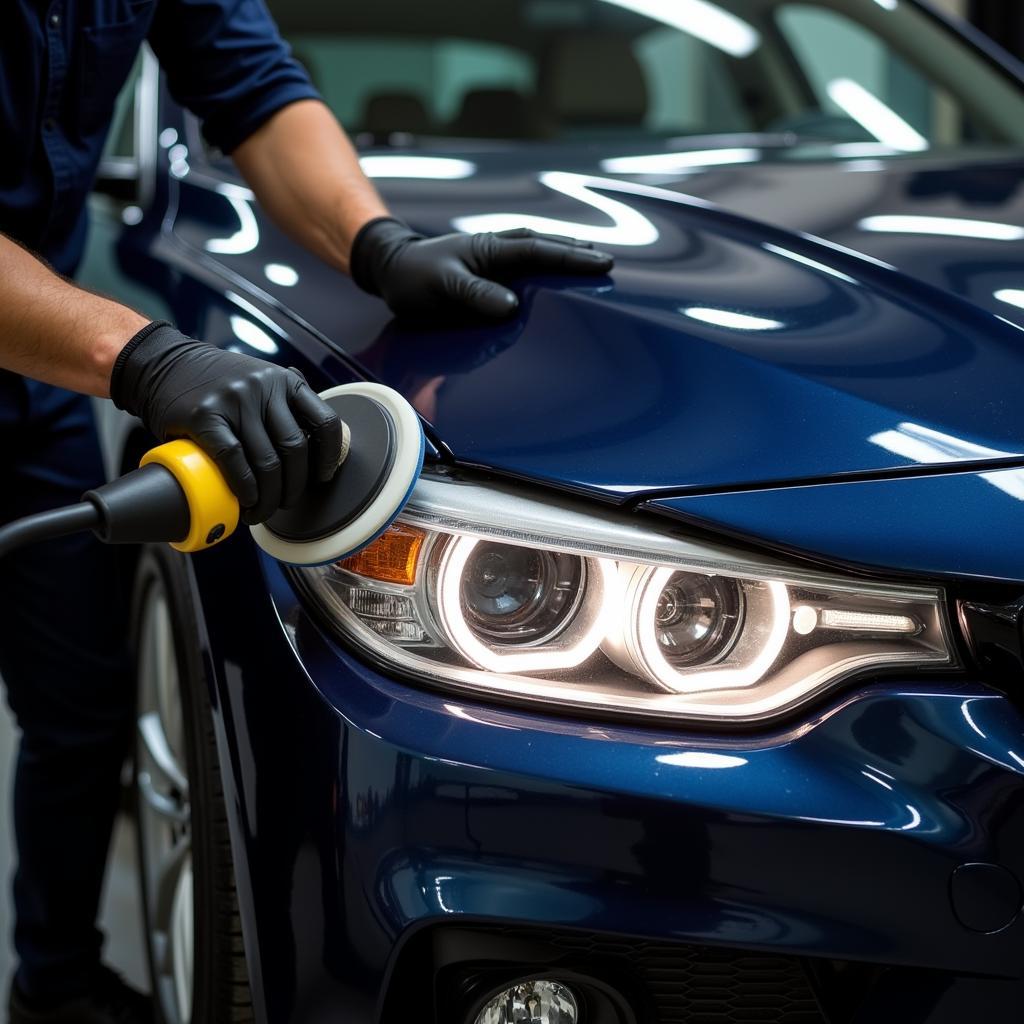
(482, 589)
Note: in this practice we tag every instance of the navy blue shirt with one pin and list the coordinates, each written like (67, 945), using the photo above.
(62, 64)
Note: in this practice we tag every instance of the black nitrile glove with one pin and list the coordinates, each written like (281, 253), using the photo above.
(419, 276)
(250, 416)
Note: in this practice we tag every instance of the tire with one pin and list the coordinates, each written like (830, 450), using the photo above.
(193, 932)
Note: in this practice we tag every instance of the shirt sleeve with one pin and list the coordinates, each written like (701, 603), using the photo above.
(225, 61)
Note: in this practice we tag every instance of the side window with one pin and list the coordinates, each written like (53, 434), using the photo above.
(465, 67)
(121, 142)
(382, 85)
(857, 78)
(690, 88)
(127, 167)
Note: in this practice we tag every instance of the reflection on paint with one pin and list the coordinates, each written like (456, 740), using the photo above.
(965, 710)
(628, 227)
(282, 274)
(955, 227)
(253, 336)
(701, 19)
(915, 819)
(797, 257)
(247, 237)
(438, 883)
(678, 163)
(841, 821)
(701, 759)
(436, 168)
(168, 137)
(874, 116)
(177, 155)
(928, 447)
(862, 149)
(1013, 296)
(875, 778)
(889, 5)
(730, 319)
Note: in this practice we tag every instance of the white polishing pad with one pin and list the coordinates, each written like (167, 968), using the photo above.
(406, 438)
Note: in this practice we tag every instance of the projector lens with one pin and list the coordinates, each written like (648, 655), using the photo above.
(515, 595)
(532, 1002)
(697, 618)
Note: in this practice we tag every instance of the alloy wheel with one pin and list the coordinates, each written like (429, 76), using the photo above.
(165, 830)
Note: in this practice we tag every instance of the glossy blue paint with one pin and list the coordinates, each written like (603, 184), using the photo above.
(724, 350)
(367, 808)
(961, 525)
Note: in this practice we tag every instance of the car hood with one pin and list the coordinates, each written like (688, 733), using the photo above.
(780, 317)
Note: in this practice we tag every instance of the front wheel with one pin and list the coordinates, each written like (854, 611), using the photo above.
(193, 932)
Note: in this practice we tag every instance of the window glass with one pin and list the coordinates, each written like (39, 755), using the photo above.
(121, 139)
(878, 71)
(394, 84)
(858, 81)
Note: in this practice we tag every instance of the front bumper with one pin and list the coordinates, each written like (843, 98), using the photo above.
(368, 811)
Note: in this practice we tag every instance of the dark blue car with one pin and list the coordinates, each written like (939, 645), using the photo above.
(688, 688)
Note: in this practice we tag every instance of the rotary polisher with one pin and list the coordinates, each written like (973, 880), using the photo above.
(178, 495)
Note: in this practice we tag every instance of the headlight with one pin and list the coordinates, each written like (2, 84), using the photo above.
(483, 589)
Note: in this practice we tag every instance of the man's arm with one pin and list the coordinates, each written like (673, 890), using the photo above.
(306, 174)
(54, 332)
(267, 431)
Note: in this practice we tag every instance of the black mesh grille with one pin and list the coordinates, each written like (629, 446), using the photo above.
(697, 984)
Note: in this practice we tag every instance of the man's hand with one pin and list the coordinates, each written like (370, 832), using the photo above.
(250, 416)
(419, 276)
(307, 176)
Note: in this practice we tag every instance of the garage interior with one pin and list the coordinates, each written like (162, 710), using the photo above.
(1001, 20)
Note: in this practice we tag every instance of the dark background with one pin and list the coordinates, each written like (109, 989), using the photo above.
(1003, 20)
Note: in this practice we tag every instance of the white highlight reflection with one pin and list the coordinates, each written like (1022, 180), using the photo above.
(965, 709)
(282, 274)
(915, 819)
(889, 5)
(875, 778)
(929, 447)
(1013, 296)
(438, 168)
(874, 116)
(734, 321)
(952, 226)
(629, 226)
(701, 759)
(247, 237)
(701, 19)
(863, 149)
(678, 163)
(808, 262)
(253, 336)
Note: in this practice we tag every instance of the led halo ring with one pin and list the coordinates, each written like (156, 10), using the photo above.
(384, 509)
(642, 641)
(573, 646)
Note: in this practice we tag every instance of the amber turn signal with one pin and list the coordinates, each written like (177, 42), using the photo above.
(391, 558)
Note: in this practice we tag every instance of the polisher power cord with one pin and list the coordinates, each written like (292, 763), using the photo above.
(177, 495)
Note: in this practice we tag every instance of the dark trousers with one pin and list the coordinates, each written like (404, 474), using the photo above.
(62, 657)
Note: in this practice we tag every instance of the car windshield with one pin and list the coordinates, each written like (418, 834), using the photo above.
(879, 72)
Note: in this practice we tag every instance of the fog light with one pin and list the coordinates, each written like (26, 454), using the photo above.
(531, 1002)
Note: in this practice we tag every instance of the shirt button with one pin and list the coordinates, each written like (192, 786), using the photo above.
(55, 19)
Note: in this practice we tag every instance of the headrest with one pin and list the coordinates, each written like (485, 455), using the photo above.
(495, 114)
(596, 79)
(388, 112)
